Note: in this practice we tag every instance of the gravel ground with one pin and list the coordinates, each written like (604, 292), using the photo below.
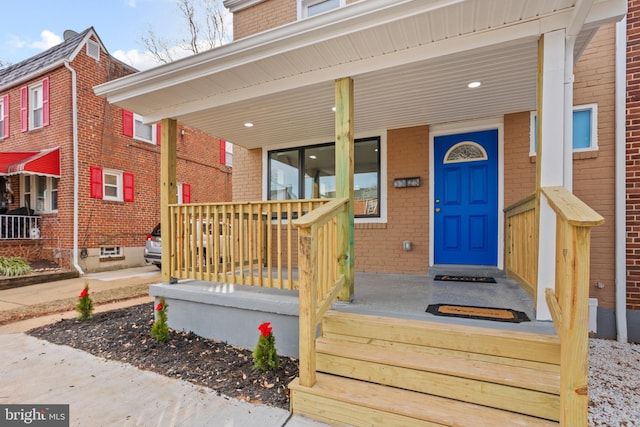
(614, 383)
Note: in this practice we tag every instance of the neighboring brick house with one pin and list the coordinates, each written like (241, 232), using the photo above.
(89, 172)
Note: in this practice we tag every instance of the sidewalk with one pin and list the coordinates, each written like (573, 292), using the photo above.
(104, 392)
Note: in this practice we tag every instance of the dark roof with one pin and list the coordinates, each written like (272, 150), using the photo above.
(41, 61)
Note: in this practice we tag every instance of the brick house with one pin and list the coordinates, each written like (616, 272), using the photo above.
(86, 172)
(379, 243)
(406, 137)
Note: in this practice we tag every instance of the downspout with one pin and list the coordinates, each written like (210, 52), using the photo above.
(567, 177)
(74, 109)
(620, 199)
(580, 12)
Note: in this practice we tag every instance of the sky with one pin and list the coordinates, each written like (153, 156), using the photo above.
(37, 25)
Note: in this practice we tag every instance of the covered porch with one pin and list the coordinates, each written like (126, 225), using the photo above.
(387, 65)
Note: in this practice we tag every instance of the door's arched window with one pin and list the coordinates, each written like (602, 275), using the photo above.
(465, 151)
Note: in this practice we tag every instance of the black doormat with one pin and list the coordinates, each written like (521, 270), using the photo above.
(450, 278)
(480, 313)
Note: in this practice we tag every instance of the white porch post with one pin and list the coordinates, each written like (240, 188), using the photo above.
(549, 155)
(168, 192)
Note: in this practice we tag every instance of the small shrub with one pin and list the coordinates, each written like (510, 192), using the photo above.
(265, 357)
(85, 305)
(160, 329)
(15, 266)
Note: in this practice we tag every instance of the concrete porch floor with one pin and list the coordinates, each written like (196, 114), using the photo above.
(407, 296)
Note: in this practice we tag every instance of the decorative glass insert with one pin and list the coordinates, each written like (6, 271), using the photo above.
(466, 151)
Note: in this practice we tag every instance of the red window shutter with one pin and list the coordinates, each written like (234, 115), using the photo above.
(127, 123)
(223, 152)
(186, 193)
(127, 181)
(96, 182)
(158, 133)
(45, 101)
(24, 112)
(5, 122)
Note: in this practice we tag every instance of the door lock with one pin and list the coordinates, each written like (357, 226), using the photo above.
(437, 209)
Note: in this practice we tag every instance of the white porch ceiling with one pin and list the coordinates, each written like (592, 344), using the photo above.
(410, 61)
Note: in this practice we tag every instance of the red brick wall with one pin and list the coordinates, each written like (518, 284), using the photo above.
(102, 144)
(519, 169)
(264, 16)
(378, 247)
(633, 155)
(594, 172)
(247, 183)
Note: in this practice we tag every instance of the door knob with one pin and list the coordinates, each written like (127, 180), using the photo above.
(437, 209)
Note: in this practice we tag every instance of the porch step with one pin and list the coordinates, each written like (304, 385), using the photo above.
(480, 375)
(344, 401)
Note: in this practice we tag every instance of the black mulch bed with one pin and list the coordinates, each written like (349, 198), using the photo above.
(124, 335)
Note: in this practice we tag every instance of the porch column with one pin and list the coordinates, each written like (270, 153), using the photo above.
(344, 179)
(168, 191)
(549, 156)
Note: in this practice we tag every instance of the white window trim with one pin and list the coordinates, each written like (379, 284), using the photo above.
(303, 6)
(32, 106)
(33, 193)
(107, 252)
(2, 107)
(119, 185)
(228, 154)
(138, 118)
(594, 129)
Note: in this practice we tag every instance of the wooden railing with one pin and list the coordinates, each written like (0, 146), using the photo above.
(569, 301)
(521, 261)
(321, 278)
(251, 243)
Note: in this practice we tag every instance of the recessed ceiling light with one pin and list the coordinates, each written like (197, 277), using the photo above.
(333, 109)
(248, 125)
(474, 84)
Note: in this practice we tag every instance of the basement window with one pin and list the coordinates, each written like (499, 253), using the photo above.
(110, 252)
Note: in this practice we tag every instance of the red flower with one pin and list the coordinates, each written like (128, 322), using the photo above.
(159, 306)
(265, 329)
(84, 293)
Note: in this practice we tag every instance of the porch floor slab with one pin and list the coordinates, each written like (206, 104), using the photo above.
(384, 294)
(407, 296)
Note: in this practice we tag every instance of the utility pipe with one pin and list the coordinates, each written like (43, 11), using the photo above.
(620, 179)
(74, 110)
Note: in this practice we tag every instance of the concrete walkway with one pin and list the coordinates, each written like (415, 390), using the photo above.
(103, 392)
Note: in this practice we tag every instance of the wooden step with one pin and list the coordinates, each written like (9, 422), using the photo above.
(523, 390)
(521, 348)
(339, 401)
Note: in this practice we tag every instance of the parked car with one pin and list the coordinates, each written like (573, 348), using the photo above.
(153, 247)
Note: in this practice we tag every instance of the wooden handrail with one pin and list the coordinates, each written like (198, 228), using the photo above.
(569, 301)
(319, 278)
(247, 243)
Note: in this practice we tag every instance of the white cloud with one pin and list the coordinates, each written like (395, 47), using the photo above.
(47, 39)
(16, 42)
(135, 58)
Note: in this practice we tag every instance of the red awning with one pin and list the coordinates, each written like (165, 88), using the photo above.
(45, 162)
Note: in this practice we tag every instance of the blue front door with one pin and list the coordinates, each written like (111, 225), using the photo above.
(466, 198)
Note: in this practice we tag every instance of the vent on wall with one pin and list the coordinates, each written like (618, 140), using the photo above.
(93, 50)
